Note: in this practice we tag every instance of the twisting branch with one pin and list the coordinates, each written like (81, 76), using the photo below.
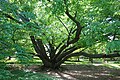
(23, 18)
(68, 14)
(60, 50)
(79, 27)
(78, 31)
(69, 32)
(63, 24)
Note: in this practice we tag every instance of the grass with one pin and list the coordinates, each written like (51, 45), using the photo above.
(28, 75)
(19, 72)
(22, 74)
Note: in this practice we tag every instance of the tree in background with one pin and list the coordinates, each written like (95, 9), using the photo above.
(60, 29)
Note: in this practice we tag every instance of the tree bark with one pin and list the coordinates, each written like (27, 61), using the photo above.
(88, 55)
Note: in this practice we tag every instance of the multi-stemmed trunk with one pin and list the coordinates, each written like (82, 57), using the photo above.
(57, 55)
(54, 59)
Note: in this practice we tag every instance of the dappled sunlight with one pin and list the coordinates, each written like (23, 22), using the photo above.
(72, 72)
(97, 64)
(59, 40)
(86, 72)
(12, 60)
(34, 72)
(114, 65)
(102, 74)
(27, 70)
(92, 76)
(67, 72)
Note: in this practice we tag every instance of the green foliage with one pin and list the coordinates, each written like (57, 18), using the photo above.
(23, 75)
(40, 18)
(5, 74)
(113, 46)
(58, 7)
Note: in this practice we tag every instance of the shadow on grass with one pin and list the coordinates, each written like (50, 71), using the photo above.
(14, 73)
(67, 72)
(87, 72)
(29, 75)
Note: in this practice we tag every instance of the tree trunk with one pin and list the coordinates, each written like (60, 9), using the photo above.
(56, 61)
(91, 60)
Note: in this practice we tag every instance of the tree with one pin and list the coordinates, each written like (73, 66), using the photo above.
(60, 29)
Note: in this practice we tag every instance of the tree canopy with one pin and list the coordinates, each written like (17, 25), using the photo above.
(59, 27)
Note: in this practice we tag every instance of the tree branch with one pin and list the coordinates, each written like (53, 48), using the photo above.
(79, 27)
(63, 24)
(88, 55)
(35, 46)
(42, 48)
(78, 31)
(38, 50)
(59, 45)
(51, 50)
(70, 50)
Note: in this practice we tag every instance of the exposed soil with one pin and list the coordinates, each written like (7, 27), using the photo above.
(81, 72)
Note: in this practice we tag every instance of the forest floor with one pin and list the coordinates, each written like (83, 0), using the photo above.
(68, 71)
(82, 72)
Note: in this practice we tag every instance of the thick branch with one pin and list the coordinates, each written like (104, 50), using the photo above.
(67, 52)
(115, 54)
(70, 16)
(79, 27)
(77, 35)
(88, 55)
(69, 48)
(51, 50)
(42, 48)
(35, 46)
(61, 49)
(78, 30)
(38, 50)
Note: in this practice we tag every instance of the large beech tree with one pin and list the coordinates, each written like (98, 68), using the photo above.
(60, 29)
